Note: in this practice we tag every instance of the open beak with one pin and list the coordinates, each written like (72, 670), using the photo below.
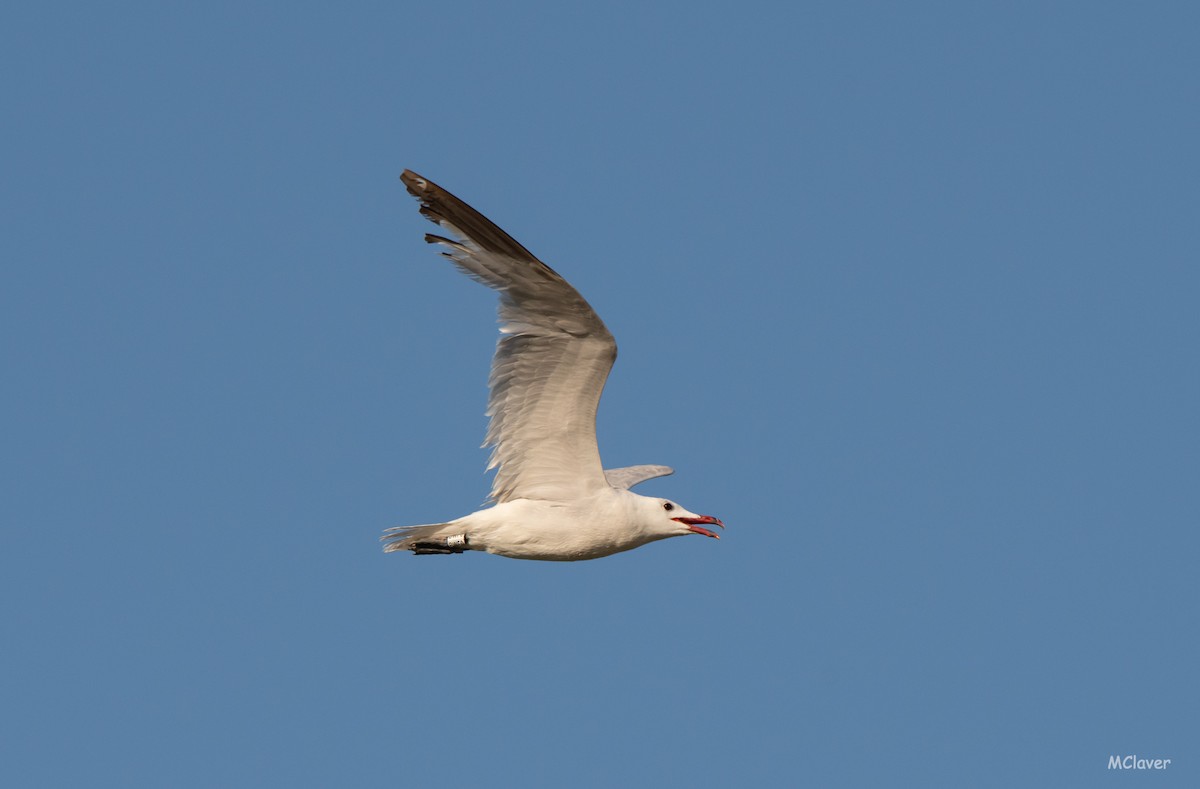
(694, 526)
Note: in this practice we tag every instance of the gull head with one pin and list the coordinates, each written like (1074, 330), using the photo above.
(667, 519)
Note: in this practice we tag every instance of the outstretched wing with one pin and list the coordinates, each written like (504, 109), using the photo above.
(629, 476)
(551, 362)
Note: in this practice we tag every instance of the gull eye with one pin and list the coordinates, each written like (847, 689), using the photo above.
(668, 506)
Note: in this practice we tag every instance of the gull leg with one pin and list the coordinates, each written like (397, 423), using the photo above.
(456, 543)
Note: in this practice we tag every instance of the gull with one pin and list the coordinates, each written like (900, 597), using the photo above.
(551, 498)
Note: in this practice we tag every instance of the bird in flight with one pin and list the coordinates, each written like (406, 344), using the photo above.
(551, 497)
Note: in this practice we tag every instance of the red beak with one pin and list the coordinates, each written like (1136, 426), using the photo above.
(693, 525)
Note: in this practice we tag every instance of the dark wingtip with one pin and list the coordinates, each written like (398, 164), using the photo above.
(441, 207)
(415, 184)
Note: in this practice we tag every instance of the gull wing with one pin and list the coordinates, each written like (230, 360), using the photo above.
(625, 478)
(551, 362)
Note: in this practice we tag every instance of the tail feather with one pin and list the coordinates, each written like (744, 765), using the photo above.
(406, 538)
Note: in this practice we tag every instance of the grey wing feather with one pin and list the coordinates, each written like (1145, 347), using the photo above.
(625, 478)
(551, 362)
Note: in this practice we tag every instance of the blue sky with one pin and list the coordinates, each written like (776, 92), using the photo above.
(907, 294)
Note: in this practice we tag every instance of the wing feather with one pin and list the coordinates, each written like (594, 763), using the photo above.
(550, 365)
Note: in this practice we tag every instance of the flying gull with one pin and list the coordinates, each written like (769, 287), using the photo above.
(551, 497)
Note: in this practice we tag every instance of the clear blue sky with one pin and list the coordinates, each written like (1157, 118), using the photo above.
(908, 294)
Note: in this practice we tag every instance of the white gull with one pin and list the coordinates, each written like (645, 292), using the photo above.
(552, 498)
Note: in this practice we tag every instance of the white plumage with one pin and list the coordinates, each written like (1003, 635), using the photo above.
(552, 497)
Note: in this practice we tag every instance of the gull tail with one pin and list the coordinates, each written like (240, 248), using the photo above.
(432, 538)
